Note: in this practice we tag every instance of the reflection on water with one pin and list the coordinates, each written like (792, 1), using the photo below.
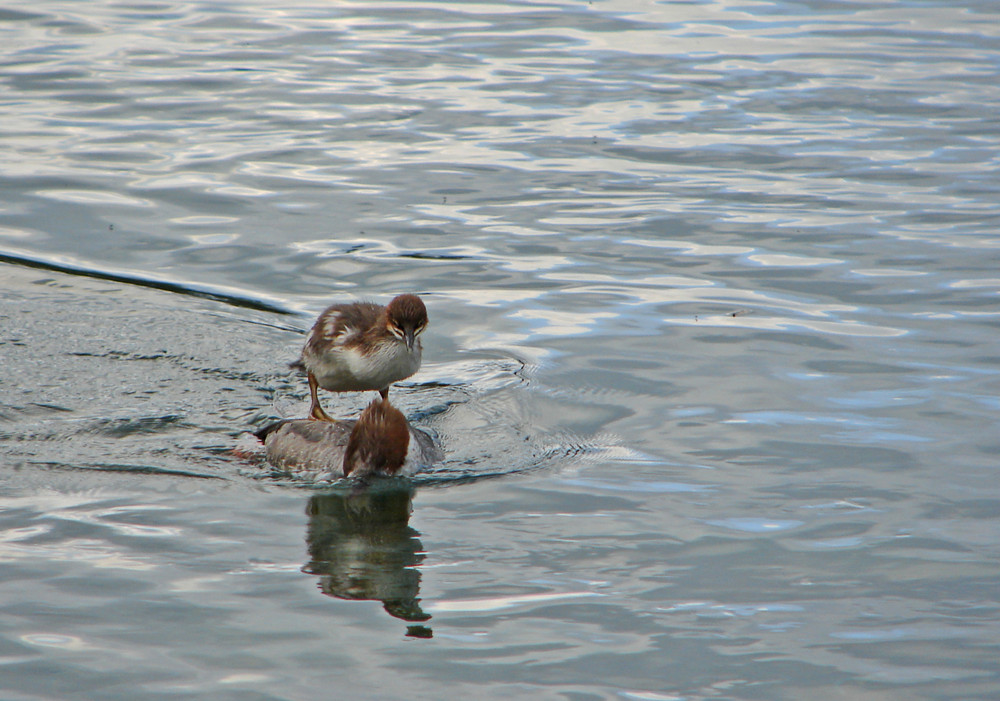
(363, 548)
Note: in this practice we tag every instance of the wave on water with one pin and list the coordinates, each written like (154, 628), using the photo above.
(229, 296)
(480, 413)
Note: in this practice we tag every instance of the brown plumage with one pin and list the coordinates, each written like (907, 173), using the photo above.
(379, 441)
(363, 346)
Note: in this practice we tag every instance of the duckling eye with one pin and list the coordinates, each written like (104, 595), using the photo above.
(395, 331)
(419, 330)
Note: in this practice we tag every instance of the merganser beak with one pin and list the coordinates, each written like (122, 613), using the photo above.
(409, 336)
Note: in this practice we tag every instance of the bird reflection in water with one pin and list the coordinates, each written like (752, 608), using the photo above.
(362, 547)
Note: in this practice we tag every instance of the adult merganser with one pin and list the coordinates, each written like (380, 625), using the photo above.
(363, 346)
(380, 442)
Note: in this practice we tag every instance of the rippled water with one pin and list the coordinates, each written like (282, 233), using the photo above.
(714, 305)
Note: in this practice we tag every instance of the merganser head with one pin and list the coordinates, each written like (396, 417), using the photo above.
(407, 318)
(379, 441)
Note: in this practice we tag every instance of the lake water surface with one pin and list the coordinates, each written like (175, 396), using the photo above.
(713, 353)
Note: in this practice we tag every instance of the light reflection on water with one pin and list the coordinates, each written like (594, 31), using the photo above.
(712, 290)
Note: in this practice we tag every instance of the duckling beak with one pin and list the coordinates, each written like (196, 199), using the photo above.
(409, 337)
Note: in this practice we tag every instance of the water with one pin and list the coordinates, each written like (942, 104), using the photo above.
(713, 296)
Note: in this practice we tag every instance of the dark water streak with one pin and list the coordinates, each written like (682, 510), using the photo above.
(176, 288)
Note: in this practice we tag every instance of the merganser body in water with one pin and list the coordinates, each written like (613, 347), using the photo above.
(379, 443)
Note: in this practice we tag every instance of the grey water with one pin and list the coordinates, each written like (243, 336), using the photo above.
(713, 353)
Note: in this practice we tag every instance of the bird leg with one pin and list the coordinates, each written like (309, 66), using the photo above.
(315, 410)
(385, 394)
